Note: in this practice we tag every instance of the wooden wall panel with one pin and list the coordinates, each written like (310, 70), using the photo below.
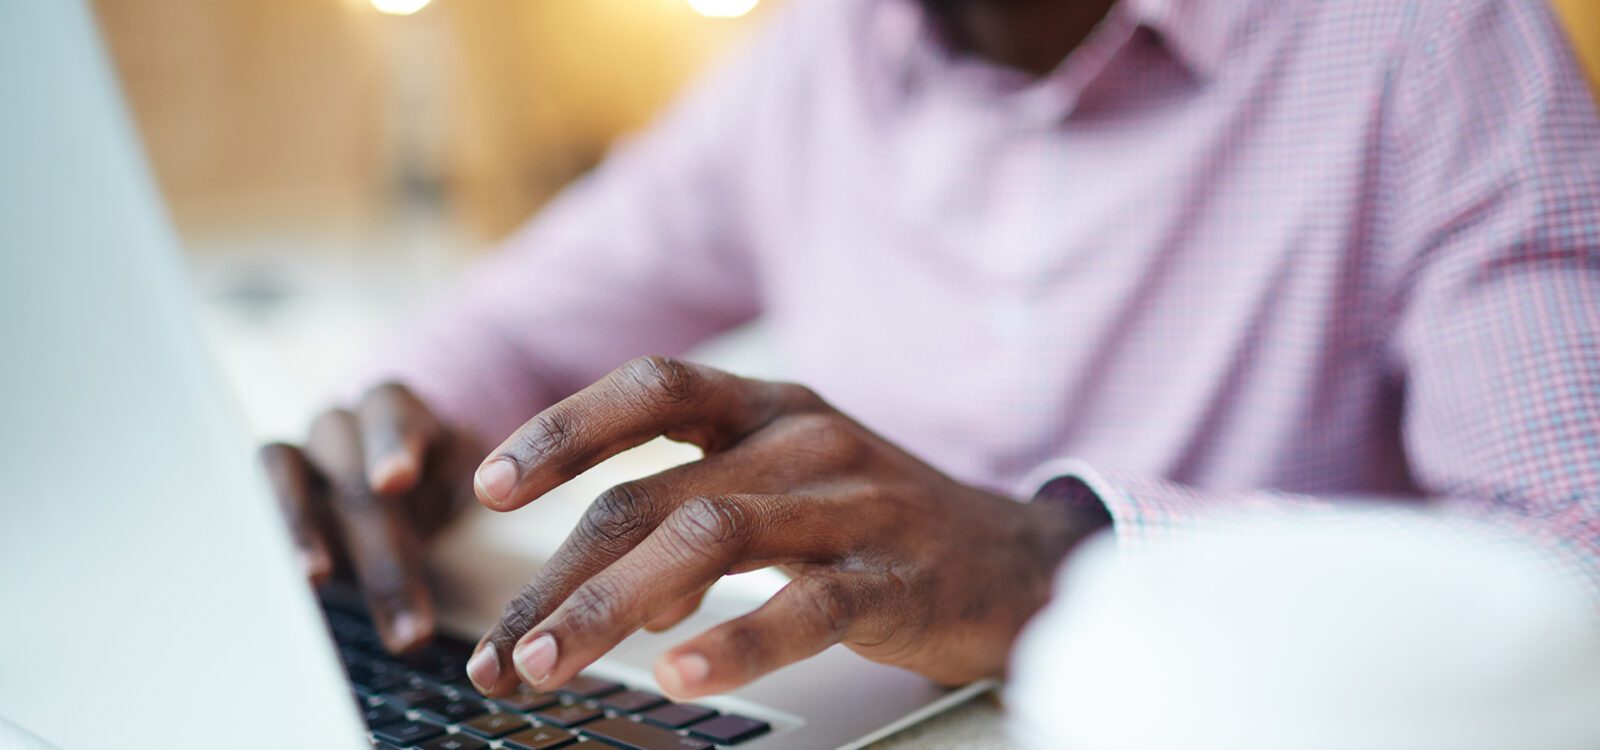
(546, 85)
(252, 111)
(310, 114)
(1583, 24)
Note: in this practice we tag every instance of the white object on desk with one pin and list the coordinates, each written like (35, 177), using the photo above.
(1369, 630)
(13, 737)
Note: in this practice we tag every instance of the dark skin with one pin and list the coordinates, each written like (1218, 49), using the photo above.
(1032, 36)
(364, 495)
(886, 554)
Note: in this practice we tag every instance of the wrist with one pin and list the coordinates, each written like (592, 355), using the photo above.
(1052, 530)
(1058, 523)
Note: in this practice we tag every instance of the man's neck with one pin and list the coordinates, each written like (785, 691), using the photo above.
(1032, 36)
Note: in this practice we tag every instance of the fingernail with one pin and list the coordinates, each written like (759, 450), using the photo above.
(313, 563)
(496, 479)
(484, 668)
(391, 472)
(689, 670)
(406, 629)
(535, 659)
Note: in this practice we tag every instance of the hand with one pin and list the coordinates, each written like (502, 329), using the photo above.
(890, 557)
(365, 493)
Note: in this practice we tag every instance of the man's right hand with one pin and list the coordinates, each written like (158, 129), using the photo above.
(367, 491)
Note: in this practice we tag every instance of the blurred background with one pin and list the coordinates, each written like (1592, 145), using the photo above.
(330, 163)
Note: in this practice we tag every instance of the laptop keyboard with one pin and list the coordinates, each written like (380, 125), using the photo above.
(424, 701)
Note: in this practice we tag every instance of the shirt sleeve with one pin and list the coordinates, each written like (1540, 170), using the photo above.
(1491, 206)
(649, 254)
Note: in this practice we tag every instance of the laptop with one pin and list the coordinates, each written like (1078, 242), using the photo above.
(149, 595)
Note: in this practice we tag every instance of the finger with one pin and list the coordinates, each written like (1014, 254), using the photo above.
(807, 616)
(395, 432)
(617, 521)
(698, 543)
(675, 614)
(641, 400)
(441, 492)
(301, 495)
(379, 539)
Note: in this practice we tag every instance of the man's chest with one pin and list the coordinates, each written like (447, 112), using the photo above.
(998, 277)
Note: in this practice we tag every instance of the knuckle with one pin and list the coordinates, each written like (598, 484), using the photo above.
(352, 493)
(521, 614)
(829, 438)
(827, 604)
(743, 643)
(617, 517)
(550, 432)
(384, 581)
(799, 398)
(709, 523)
(333, 419)
(815, 428)
(666, 381)
(277, 456)
(333, 439)
(293, 478)
(594, 606)
(385, 391)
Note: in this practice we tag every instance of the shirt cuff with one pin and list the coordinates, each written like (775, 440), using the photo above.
(1075, 485)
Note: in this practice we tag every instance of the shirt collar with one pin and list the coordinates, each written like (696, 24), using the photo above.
(1198, 33)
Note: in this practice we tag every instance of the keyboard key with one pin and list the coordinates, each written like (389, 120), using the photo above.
(526, 699)
(495, 726)
(632, 701)
(438, 665)
(411, 681)
(381, 713)
(584, 687)
(412, 696)
(635, 736)
(377, 680)
(450, 711)
(678, 715)
(540, 738)
(376, 745)
(407, 732)
(729, 729)
(357, 634)
(464, 686)
(455, 742)
(569, 715)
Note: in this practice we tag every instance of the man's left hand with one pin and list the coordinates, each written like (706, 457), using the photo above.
(888, 556)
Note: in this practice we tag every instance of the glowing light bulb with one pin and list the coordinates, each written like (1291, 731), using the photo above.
(721, 8)
(399, 7)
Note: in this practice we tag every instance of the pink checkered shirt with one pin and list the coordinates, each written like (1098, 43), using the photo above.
(1232, 254)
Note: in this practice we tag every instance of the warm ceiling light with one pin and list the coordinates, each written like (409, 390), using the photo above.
(721, 8)
(402, 7)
